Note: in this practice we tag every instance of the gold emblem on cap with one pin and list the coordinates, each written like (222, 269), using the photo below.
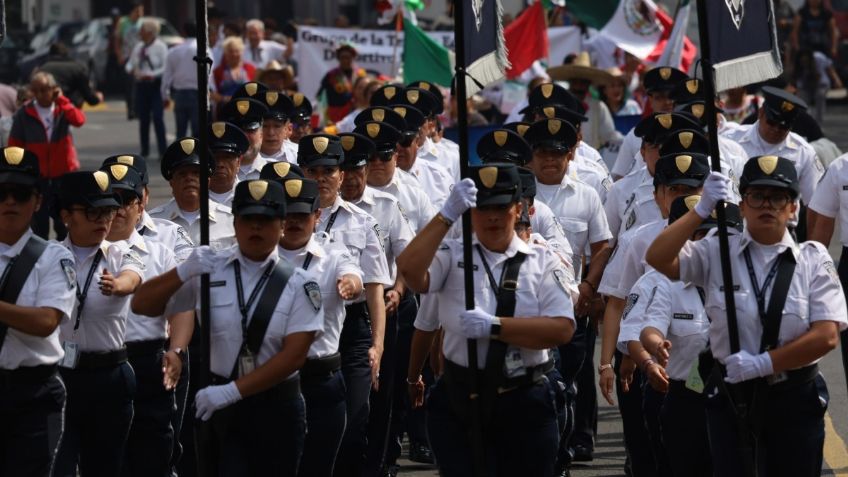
(522, 128)
(489, 176)
(401, 111)
(119, 171)
(686, 138)
(257, 189)
(767, 164)
(554, 125)
(692, 86)
(698, 110)
(348, 142)
(412, 96)
(282, 168)
(128, 160)
(550, 112)
(691, 201)
(425, 85)
(14, 155)
(297, 99)
(378, 115)
(218, 129)
(187, 145)
(683, 162)
(547, 90)
(320, 144)
(271, 97)
(373, 129)
(293, 187)
(500, 137)
(665, 120)
(243, 107)
(102, 180)
(787, 106)
(251, 88)
(390, 92)
(665, 73)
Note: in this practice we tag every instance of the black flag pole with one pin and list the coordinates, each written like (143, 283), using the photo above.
(203, 63)
(2, 21)
(476, 431)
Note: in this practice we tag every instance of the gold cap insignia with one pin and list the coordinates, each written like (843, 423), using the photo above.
(665, 73)
(320, 144)
(282, 168)
(412, 96)
(119, 171)
(348, 142)
(686, 138)
(550, 112)
(251, 88)
(683, 163)
(128, 160)
(373, 129)
(489, 176)
(293, 187)
(14, 155)
(401, 111)
(691, 201)
(243, 107)
(522, 128)
(767, 164)
(787, 106)
(554, 125)
(698, 110)
(102, 180)
(218, 129)
(297, 99)
(547, 90)
(187, 145)
(390, 92)
(665, 120)
(692, 86)
(500, 137)
(379, 114)
(257, 189)
(271, 97)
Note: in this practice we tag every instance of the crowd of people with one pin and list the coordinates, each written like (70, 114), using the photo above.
(337, 306)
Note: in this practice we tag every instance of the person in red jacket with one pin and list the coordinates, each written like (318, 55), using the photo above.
(43, 127)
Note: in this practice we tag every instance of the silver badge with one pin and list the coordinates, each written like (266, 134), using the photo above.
(313, 292)
(70, 274)
(737, 11)
(184, 235)
(631, 302)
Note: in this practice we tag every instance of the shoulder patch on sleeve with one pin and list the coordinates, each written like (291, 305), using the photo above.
(402, 212)
(631, 219)
(132, 258)
(606, 183)
(830, 268)
(561, 280)
(376, 228)
(629, 304)
(313, 292)
(70, 273)
(184, 235)
(818, 164)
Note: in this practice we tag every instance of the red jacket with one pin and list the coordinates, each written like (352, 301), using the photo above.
(57, 155)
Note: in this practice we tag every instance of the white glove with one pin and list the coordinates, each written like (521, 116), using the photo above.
(211, 398)
(716, 188)
(744, 366)
(476, 323)
(201, 260)
(463, 196)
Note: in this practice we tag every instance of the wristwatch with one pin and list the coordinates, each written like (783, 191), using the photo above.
(495, 330)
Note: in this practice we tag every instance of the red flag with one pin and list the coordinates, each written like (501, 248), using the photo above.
(526, 39)
(690, 51)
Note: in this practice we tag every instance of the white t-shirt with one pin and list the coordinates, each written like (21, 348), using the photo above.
(46, 115)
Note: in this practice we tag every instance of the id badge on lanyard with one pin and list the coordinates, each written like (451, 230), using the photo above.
(71, 349)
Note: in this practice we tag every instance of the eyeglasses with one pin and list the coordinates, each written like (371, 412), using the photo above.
(18, 193)
(93, 214)
(382, 156)
(758, 200)
(407, 138)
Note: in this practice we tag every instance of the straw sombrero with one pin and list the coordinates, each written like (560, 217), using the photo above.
(273, 66)
(580, 68)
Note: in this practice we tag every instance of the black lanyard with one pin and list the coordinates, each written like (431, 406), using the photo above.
(307, 260)
(82, 293)
(6, 271)
(245, 307)
(331, 220)
(495, 287)
(760, 292)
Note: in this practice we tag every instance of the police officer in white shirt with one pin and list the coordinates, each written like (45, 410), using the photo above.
(248, 114)
(301, 123)
(431, 105)
(511, 371)
(100, 382)
(265, 314)
(276, 121)
(361, 347)
(340, 280)
(779, 346)
(227, 144)
(38, 295)
(181, 168)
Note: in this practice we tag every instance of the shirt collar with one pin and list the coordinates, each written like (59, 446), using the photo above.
(786, 242)
(753, 135)
(237, 255)
(175, 210)
(104, 246)
(367, 196)
(146, 222)
(16, 248)
(312, 246)
(515, 246)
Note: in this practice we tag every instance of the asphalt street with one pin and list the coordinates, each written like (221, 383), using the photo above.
(107, 132)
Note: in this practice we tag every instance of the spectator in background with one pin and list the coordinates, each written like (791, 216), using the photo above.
(259, 51)
(815, 29)
(179, 82)
(615, 95)
(361, 100)
(8, 101)
(71, 75)
(42, 126)
(737, 104)
(232, 72)
(341, 21)
(814, 76)
(785, 16)
(337, 84)
(278, 77)
(126, 36)
(147, 65)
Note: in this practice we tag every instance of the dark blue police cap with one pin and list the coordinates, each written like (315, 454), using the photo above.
(497, 184)
(227, 137)
(124, 177)
(781, 106)
(18, 166)
(319, 150)
(770, 171)
(663, 78)
(682, 205)
(357, 149)
(553, 134)
(503, 145)
(382, 135)
(87, 188)
(135, 161)
(382, 114)
(259, 197)
(246, 113)
(302, 195)
(182, 152)
(280, 171)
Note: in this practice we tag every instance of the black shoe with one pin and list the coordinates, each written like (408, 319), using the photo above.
(562, 471)
(420, 453)
(391, 470)
(582, 453)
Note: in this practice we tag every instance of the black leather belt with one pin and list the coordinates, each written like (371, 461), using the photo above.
(457, 375)
(357, 310)
(286, 390)
(27, 374)
(787, 379)
(94, 360)
(321, 367)
(142, 348)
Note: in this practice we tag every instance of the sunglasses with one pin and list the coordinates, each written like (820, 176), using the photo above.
(93, 214)
(18, 193)
(775, 124)
(382, 156)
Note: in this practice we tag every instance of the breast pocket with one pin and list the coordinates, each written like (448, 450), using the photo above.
(716, 306)
(354, 241)
(222, 309)
(796, 318)
(687, 322)
(576, 231)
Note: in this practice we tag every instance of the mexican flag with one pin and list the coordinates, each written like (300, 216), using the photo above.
(424, 59)
(631, 24)
(675, 49)
(526, 40)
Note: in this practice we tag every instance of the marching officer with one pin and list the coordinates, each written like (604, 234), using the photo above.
(301, 123)
(789, 309)
(514, 326)
(276, 126)
(228, 145)
(99, 380)
(265, 314)
(248, 114)
(38, 295)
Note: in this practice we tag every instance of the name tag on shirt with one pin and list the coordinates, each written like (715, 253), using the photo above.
(219, 283)
(684, 316)
(735, 288)
(71, 357)
(462, 265)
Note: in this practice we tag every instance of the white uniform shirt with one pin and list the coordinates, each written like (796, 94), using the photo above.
(249, 172)
(395, 230)
(290, 149)
(180, 68)
(434, 179)
(50, 284)
(592, 174)
(264, 53)
(544, 222)
(627, 263)
(591, 155)
(416, 204)
(225, 199)
(630, 202)
(278, 156)
(221, 232)
(831, 196)
(443, 155)
(157, 260)
(328, 266)
(578, 209)
(814, 295)
(169, 234)
(626, 159)
(675, 309)
(542, 291)
(148, 59)
(104, 318)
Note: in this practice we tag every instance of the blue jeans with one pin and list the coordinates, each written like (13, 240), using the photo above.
(185, 111)
(148, 106)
